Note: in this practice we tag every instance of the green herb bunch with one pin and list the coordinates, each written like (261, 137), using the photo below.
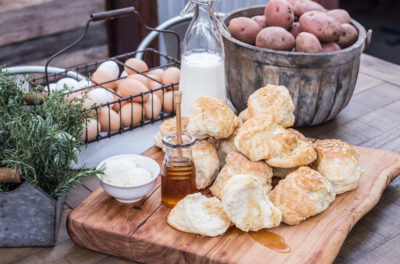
(41, 141)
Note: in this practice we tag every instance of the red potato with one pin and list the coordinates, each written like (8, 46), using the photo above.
(260, 20)
(244, 29)
(341, 16)
(306, 42)
(305, 6)
(295, 29)
(348, 37)
(275, 38)
(293, 2)
(279, 13)
(328, 47)
(324, 27)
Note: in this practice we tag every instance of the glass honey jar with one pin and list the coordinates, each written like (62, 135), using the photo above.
(178, 176)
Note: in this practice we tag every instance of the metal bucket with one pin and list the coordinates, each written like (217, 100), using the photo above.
(29, 217)
(321, 84)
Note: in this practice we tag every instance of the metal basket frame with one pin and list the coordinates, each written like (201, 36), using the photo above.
(87, 69)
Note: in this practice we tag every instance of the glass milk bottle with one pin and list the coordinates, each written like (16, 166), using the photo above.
(202, 62)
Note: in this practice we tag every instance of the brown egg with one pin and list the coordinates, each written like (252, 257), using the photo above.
(92, 129)
(102, 77)
(131, 87)
(141, 78)
(155, 85)
(132, 114)
(90, 102)
(70, 97)
(169, 106)
(154, 78)
(152, 108)
(157, 73)
(108, 119)
(136, 64)
(118, 105)
(171, 75)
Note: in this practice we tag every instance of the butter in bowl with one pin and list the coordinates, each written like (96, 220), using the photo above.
(128, 178)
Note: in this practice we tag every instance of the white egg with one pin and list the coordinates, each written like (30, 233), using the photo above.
(102, 94)
(110, 67)
(84, 84)
(123, 74)
(69, 82)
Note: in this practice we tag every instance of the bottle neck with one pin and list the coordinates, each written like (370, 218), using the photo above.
(204, 9)
(203, 33)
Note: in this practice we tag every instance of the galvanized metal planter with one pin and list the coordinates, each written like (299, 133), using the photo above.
(321, 84)
(29, 217)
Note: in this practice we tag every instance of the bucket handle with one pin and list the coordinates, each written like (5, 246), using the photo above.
(9, 175)
(368, 39)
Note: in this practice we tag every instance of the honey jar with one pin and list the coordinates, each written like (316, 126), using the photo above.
(178, 176)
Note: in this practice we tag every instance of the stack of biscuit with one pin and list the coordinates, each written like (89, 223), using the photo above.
(236, 158)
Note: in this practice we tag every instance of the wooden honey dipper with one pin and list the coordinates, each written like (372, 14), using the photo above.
(177, 102)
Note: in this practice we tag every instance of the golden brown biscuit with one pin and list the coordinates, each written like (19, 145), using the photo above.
(225, 147)
(236, 163)
(259, 138)
(244, 116)
(206, 162)
(247, 205)
(211, 117)
(302, 154)
(303, 193)
(170, 125)
(274, 101)
(200, 215)
(282, 172)
(166, 127)
(338, 162)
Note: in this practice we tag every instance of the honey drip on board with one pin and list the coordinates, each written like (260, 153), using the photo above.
(270, 240)
(264, 237)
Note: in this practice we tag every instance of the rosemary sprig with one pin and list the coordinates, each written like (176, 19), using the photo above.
(41, 141)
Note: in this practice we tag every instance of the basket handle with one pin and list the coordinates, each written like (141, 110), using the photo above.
(105, 15)
(368, 38)
(9, 175)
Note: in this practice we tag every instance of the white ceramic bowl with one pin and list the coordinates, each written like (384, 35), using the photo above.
(131, 194)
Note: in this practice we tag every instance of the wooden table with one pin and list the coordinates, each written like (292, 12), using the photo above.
(372, 119)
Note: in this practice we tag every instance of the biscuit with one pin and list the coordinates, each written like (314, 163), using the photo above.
(274, 101)
(302, 194)
(302, 154)
(206, 163)
(225, 147)
(259, 138)
(236, 163)
(199, 215)
(166, 127)
(247, 205)
(243, 116)
(282, 172)
(338, 162)
(211, 117)
(158, 141)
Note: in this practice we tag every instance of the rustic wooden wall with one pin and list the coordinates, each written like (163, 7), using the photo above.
(32, 30)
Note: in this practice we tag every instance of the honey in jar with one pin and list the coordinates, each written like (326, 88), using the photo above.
(178, 177)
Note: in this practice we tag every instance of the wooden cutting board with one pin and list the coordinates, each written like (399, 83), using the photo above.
(140, 231)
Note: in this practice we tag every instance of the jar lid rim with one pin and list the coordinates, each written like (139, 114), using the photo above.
(174, 145)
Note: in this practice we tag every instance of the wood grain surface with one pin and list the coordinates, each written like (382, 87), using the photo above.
(371, 120)
(140, 231)
(27, 19)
